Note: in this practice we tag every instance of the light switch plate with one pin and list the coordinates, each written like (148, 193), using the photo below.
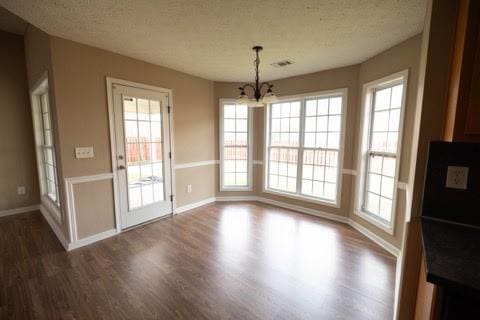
(189, 188)
(457, 177)
(84, 152)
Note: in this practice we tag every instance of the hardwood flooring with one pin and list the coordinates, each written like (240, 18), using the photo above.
(222, 261)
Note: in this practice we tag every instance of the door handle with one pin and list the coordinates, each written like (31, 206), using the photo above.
(121, 167)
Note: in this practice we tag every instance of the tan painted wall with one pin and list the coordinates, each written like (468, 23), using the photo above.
(80, 73)
(17, 152)
(401, 57)
(92, 201)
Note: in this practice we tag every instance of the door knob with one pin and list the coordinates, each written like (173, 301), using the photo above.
(121, 167)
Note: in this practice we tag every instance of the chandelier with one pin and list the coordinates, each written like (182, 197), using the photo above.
(259, 99)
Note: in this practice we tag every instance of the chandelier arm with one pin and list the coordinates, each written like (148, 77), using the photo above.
(248, 85)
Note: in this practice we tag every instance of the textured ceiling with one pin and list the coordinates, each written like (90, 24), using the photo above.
(213, 38)
(11, 23)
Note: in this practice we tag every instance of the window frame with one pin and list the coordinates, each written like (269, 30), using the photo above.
(41, 88)
(343, 93)
(249, 186)
(364, 144)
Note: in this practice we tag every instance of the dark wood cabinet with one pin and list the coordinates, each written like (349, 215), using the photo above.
(473, 111)
(463, 109)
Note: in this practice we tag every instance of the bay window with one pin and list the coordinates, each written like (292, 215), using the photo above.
(304, 146)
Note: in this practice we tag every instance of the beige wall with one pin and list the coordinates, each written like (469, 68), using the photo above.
(92, 201)
(401, 57)
(80, 73)
(17, 152)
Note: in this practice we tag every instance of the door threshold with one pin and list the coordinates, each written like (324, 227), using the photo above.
(168, 215)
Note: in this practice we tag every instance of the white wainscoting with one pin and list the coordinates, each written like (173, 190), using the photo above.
(75, 242)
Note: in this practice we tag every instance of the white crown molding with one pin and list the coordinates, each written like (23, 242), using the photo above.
(9, 212)
(185, 165)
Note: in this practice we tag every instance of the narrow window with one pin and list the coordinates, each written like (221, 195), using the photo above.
(235, 146)
(304, 147)
(384, 103)
(45, 144)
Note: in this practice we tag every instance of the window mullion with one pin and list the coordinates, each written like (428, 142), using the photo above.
(300, 146)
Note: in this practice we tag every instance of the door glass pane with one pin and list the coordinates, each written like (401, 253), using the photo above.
(144, 151)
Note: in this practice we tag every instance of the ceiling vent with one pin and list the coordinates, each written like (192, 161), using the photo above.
(282, 63)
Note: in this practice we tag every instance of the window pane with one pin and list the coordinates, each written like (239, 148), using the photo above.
(155, 112)
(335, 105)
(229, 111)
(382, 99)
(380, 121)
(129, 108)
(311, 108)
(389, 167)
(397, 92)
(143, 109)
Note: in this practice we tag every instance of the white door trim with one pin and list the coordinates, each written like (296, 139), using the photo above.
(113, 149)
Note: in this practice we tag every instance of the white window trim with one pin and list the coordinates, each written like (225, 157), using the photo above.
(40, 87)
(363, 147)
(343, 92)
(249, 186)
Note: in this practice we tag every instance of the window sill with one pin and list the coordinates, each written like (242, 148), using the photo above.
(52, 207)
(302, 198)
(377, 223)
(236, 189)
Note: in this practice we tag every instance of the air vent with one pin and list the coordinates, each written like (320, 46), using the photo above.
(282, 63)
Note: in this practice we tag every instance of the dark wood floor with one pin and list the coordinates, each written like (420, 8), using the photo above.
(223, 261)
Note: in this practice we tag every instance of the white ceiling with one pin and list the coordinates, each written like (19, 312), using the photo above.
(213, 38)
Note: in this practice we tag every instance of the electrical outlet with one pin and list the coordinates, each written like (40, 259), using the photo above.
(457, 177)
(84, 152)
(21, 190)
(189, 188)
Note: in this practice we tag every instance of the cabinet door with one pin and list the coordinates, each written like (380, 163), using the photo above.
(473, 112)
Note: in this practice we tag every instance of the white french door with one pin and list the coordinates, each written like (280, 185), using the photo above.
(143, 166)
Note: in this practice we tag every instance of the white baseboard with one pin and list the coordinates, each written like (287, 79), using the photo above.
(194, 205)
(109, 233)
(236, 198)
(372, 236)
(91, 239)
(54, 226)
(314, 212)
(369, 234)
(9, 212)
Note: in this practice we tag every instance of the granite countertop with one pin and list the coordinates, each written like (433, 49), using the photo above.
(452, 254)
